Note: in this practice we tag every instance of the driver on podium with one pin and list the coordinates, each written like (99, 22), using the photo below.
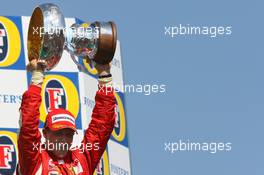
(59, 129)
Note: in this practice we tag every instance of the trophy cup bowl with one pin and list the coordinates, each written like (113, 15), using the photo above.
(46, 34)
(48, 37)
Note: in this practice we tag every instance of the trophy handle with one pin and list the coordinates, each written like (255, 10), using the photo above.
(79, 66)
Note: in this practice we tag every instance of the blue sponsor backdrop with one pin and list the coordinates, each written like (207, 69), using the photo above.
(12, 56)
(60, 90)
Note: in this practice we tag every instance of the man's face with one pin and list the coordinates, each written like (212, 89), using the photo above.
(59, 142)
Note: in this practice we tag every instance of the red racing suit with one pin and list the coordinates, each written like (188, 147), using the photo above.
(80, 161)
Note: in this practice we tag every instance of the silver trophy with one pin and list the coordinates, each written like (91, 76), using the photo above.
(48, 37)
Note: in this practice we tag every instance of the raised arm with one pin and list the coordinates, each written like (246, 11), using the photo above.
(29, 137)
(103, 118)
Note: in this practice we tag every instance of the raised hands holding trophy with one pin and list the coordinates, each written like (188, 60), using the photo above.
(44, 52)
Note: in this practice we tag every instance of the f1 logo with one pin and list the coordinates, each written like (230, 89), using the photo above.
(55, 99)
(6, 156)
(2, 34)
